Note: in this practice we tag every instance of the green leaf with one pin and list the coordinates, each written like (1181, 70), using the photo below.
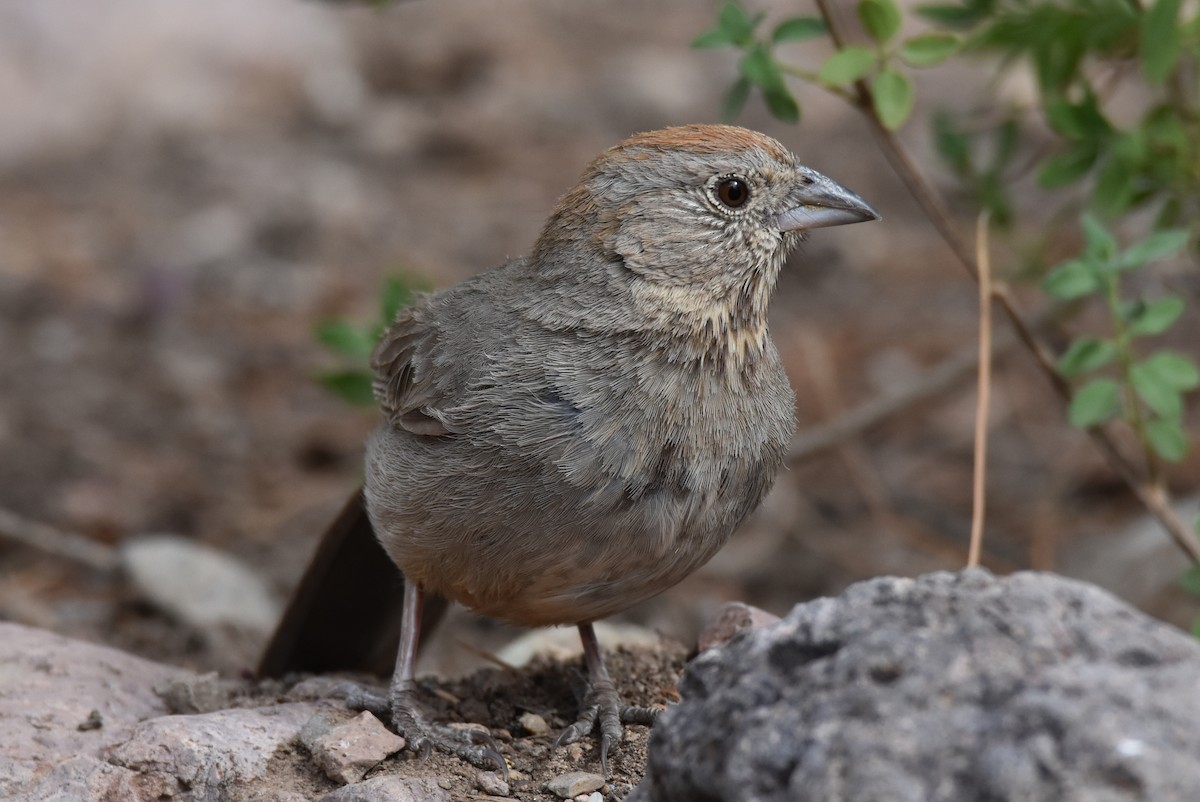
(354, 386)
(1082, 121)
(952, 144)
(1113, 193)
(1073, 279)
(1086, 355)
(1093, 404)
(892, 95)
(1006, 137)
(345, 339)
(880, 18)
(1173, 369)
(930, 48)
(1099, 243)
(714, 38)
(957, 17)
(1156, 390)
(1158, 245)
(781, 104)
(1146, 319)
(847, 65)
(396, 295)
(1190, 580)
(735, 100)
(760, 69)
(1160, 40)
(1067, 167)
(1167, 438)
(736, 24)
(798, 29)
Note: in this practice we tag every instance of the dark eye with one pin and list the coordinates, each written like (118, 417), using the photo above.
(733, 192)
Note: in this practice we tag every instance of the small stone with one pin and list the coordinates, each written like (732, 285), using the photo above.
(731, 619)
(189, 695)
(572, 784)
(346, 752)
(596, 796)
(534, 724)
(316, 727)
(94, 721)
(491, 783)
(390, 788)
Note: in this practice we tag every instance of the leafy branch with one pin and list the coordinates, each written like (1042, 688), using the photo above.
(1155, 162)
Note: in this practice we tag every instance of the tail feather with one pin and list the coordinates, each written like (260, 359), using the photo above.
(345, 613)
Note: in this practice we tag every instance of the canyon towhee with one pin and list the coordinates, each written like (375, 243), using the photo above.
(577, 430)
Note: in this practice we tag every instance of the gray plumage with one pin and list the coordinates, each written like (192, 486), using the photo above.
(575, 431)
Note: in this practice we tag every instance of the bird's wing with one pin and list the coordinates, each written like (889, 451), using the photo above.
(405, 384)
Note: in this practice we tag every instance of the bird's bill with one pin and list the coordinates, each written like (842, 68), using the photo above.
(825, 203)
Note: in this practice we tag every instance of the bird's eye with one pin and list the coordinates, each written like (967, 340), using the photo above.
(733, 192)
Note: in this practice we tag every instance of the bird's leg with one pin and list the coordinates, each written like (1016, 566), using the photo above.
(404, 708)
(601, 706)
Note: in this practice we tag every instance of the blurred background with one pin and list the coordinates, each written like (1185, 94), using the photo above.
(188, 189)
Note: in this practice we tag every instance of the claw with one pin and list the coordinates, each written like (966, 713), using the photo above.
(605, 743)
(481, 738)
(496, 759)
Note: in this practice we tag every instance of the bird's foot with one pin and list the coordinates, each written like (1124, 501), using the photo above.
(421, 734)
(601, 708)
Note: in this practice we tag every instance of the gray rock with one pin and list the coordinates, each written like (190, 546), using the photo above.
(492, 783)
(210, 753)
(954, 687)
(198, 585)
(390, 788)
(49, 686)
(574, 783)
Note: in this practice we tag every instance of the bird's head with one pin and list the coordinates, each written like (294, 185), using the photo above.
(700, 219)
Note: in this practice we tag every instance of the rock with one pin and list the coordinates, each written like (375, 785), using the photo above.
(347, 751)
(562, 643)
(391, 788)
(49, 686)
(202, 587)
(566, 786)
(954, 687)
(209, 754)
(534, 724)
(732, 618)
(197, 694)
(492, 783)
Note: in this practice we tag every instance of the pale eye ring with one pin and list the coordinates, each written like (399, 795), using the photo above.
(733, 191)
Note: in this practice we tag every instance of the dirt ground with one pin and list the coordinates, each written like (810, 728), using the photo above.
(496, 698)
(188, 189)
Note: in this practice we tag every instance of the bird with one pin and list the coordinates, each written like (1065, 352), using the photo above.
(575, 430)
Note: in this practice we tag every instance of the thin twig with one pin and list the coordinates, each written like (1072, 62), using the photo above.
(55, 542)
(1154, 498)
(979, 481)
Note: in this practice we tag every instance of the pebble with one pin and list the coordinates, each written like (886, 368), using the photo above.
(534, 724)
(491, 783)
(732, 619)
(346, 752)
(572, 784)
